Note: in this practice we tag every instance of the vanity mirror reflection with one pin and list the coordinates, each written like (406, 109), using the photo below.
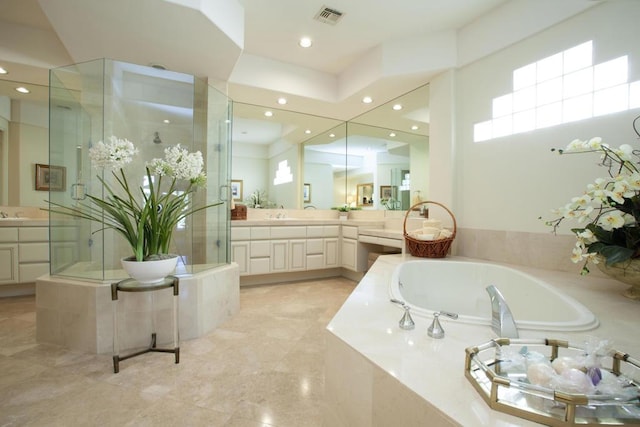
(24, 134)
(332, 155)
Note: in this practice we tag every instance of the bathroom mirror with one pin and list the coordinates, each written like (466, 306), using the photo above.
(24, 134)
(389, 147)
(327, 153)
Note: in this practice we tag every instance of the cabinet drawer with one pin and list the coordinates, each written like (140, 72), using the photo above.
(259, 266)
(240, 233)
(349, 232)
(260, 233)
(30, 272)
(260, 249)
(315, 246)
(288, 232)
(8, 234)
(315, 262)
(33, 234)
(33, 252)
(331, 231)
(315, 230)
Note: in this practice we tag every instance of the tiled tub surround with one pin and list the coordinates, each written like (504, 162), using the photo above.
(379, 374)
(78, 314)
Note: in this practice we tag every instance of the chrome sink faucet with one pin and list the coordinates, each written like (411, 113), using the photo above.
(502, 321)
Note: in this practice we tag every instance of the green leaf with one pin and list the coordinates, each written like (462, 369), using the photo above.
(615, 254)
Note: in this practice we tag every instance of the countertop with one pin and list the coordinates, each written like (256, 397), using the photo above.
(434, 369)
(23, 222)
(305, 221)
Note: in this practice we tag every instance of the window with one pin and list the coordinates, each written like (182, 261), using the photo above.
(562, 88)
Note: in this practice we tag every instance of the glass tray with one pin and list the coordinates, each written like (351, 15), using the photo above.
(505, 387)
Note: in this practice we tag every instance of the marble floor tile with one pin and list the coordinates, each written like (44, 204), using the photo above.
(262, 368)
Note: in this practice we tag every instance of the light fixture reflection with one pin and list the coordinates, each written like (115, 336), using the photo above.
(22, 89)
(282, 101)
(367, 100)
(397, 107)
(268, 113)
(3, 71)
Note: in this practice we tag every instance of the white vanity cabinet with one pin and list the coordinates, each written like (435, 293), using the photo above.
(240, 247)
(33, 253)
(8, 255)
(285, 248)
(24, 253)
(323, 249)
(354, 255)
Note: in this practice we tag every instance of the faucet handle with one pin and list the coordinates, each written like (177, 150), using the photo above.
(407, 322)
(435, 330)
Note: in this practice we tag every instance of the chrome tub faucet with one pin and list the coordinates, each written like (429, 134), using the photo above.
(502, 321)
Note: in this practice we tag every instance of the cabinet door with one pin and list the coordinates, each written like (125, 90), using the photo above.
(279, 256)
(349, 248)
(331, 253)
(297, 255)
(8, 263)
(240, 255)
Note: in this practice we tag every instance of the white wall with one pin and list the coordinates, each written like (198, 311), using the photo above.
(253, 171)
(29, 144)
(507, 183)
(320, 176)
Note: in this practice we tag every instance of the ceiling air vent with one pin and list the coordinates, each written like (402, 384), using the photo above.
(328, 15)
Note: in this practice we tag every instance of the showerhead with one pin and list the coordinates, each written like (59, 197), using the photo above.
(156, 138)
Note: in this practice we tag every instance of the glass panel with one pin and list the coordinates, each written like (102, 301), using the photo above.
(154, 109)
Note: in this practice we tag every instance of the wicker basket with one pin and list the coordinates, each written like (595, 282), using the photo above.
(428, 248)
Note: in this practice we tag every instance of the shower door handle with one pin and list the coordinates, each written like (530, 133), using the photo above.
(223, 192)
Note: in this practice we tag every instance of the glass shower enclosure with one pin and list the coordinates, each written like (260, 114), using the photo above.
(154, 109)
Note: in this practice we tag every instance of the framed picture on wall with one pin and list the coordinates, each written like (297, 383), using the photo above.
(236, 189)
(50, 178)
(385, 192)
(306, 193)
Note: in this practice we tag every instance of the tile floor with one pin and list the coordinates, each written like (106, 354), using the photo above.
(264, 367)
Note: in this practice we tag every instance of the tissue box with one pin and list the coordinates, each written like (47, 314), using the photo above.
(239, 212)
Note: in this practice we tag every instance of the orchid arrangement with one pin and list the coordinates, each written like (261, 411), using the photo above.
(146, 220)
(608, 212)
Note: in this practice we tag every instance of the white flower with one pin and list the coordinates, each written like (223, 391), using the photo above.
(586, 236)
(595, 143)
(624, 152)
(577, 145)
(112, 155)
(183, 165)
(611, 220)
(577, 254)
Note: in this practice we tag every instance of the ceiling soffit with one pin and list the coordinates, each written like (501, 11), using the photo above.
(175, 34)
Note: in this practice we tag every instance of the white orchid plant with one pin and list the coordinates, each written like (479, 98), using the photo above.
(609, 210)
(146, 220)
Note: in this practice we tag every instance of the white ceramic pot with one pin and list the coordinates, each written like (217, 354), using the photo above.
(149, 271)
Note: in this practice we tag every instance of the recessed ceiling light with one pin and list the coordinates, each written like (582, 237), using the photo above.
(308, 131)
(282, 100)
(414, 127)
(22, 89)
(332, 135)
(397, 107)
(268, 113)
(167, 121)
(392, 134)
(305, 42)
(367, 100)
(3, 71)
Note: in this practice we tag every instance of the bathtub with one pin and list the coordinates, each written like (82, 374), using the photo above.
(430, 285)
